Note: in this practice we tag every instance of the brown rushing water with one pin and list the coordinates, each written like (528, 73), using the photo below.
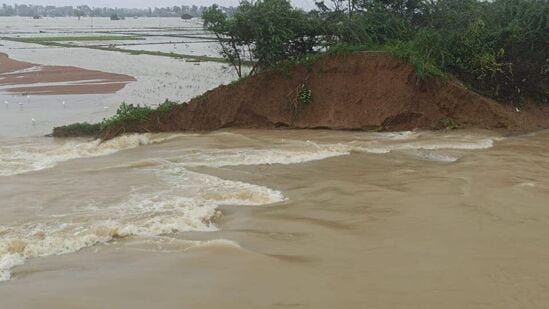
(407, 220)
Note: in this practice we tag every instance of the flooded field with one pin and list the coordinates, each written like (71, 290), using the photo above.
(170, 35)
(254, 218)
(158, 78)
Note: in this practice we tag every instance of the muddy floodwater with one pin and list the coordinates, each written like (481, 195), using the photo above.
(261, 219)
(256, 218)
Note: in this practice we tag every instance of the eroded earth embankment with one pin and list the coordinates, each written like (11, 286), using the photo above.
(358, 91)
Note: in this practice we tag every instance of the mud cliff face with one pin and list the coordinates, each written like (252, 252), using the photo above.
(358, 91)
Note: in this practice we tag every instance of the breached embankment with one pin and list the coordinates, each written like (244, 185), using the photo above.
(357, 91)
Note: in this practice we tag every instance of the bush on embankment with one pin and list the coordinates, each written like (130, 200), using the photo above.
(127, 115)
(498, 48)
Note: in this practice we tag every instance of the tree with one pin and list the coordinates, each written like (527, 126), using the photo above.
(498, 48)
(266, 32)
(226, 33)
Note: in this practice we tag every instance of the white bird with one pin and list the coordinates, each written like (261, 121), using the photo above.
(517, 110)
(33, 121)
(6, 103)
(64, 104)
(105, 107)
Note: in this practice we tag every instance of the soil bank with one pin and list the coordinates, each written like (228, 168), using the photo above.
(356, 91)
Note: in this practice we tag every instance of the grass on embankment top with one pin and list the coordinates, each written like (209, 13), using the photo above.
(39, 40)
(425, 69)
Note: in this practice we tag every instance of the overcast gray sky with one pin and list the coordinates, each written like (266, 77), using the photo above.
(142, 3)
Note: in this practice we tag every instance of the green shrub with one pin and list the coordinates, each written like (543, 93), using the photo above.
(81, 129)
(424, 66)
(166, 107)
(301, 97)
(129, 113)
(497, 48)
(126, 114)
(304, 95)
(450, 123)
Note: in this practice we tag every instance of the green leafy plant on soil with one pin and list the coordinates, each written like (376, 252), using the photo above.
(126, 114)
(310, 60)
(82, 129)
(166, 107)
(304, 95)
(301, 97)
(424, 67)
(450, 123)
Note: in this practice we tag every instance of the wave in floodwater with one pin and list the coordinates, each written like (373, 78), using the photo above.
(294, 152)
(18, 157)
(188, 200)
(23, 156)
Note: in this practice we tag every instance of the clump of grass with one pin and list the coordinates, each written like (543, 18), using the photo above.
(126, 114)
(236, 82)
(166, 107)
(311, 59)
(424, 67)
(79, 129)
(308, 61)
(200, 98)
(348, 48)
(450, 123)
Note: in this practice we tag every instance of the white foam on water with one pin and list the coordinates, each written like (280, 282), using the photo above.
(214, 243)
(236, 157)
(403, 135)
(42, 153)
(423, 145)
(445, 149)
(437, 156)
(167, 244)
(7, 262)
(423, 149)
(188, 202)
(405, 142)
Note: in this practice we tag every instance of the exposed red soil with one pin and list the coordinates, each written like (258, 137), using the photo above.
(359, 91)
(82, 81)
(9, 65)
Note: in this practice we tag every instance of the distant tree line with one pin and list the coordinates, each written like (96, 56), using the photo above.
(499, 48)
(185, 12)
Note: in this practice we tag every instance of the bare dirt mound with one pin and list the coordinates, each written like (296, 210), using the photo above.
(358, 91)
(27, 78)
